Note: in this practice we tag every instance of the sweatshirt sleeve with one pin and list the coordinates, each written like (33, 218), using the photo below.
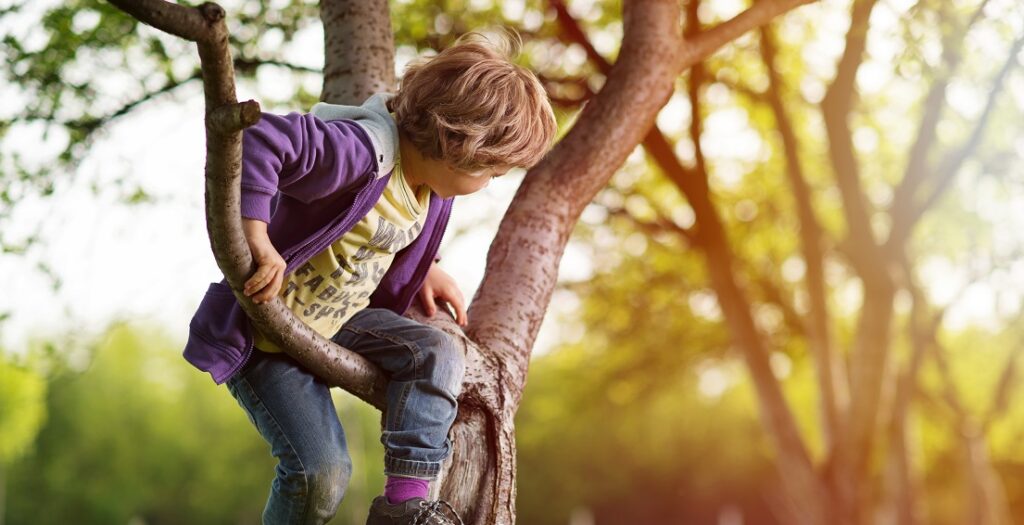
(301, 156)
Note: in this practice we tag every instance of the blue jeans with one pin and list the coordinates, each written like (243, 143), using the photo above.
(293, 411)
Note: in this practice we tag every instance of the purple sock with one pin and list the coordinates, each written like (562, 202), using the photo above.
(398, 489)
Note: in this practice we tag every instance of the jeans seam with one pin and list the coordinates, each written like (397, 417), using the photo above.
(412, 346)
(400, 408)
(277, 425)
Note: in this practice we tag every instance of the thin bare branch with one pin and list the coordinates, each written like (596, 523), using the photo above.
(703, 44)
(694, 82)
(572, 32)
(773, 293)
(92, 124)
(660, 224)
(953, 161)
(836, 108)
(246, 64)
(831, 375)
(904, 203)
(556, 89)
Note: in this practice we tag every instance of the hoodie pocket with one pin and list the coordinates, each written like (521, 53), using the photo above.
(220, 321)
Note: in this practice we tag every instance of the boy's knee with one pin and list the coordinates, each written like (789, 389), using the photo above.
(327, 482)
(445, 360)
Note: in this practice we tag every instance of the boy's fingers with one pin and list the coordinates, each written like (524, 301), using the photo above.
(269, 291)
(460, 307)
(463, 317)
(275, 285)
(427, 297)
(454, 298)
(256, 281)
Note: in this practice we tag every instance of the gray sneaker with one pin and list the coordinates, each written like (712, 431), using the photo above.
(415, 511)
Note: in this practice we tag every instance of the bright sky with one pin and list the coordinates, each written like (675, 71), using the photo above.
(152, 262)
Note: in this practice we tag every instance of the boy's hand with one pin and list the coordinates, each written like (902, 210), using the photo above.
(440, 285)
(266, 281)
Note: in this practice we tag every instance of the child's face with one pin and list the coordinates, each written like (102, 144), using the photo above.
(443, 179)
(447, 181)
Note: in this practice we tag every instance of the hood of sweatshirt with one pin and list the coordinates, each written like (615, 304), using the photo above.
(374, 117)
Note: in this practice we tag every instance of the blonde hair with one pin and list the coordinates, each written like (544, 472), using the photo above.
(473, 107)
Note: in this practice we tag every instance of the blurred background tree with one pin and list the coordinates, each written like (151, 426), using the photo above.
(648, 411)
(22, 413)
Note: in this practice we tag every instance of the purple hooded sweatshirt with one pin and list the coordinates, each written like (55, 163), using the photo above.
(311, 180)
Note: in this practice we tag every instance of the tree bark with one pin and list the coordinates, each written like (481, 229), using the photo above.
(359, 48)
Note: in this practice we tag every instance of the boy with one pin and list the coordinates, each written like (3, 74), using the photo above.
(357, 198)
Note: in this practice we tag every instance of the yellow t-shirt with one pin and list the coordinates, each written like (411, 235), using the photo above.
(336, 283)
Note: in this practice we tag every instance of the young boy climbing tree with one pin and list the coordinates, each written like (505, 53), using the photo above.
(344, 209)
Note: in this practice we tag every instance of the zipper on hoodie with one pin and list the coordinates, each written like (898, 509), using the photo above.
(329, 233)
(311, 247)
(430, 253)
(245, 358)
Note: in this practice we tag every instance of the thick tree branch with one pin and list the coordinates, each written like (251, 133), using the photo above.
(360, 42)
(195, 24)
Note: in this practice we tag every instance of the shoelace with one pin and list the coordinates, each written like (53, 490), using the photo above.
(433, 509)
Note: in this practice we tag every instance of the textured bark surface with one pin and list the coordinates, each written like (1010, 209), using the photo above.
(360, 50)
